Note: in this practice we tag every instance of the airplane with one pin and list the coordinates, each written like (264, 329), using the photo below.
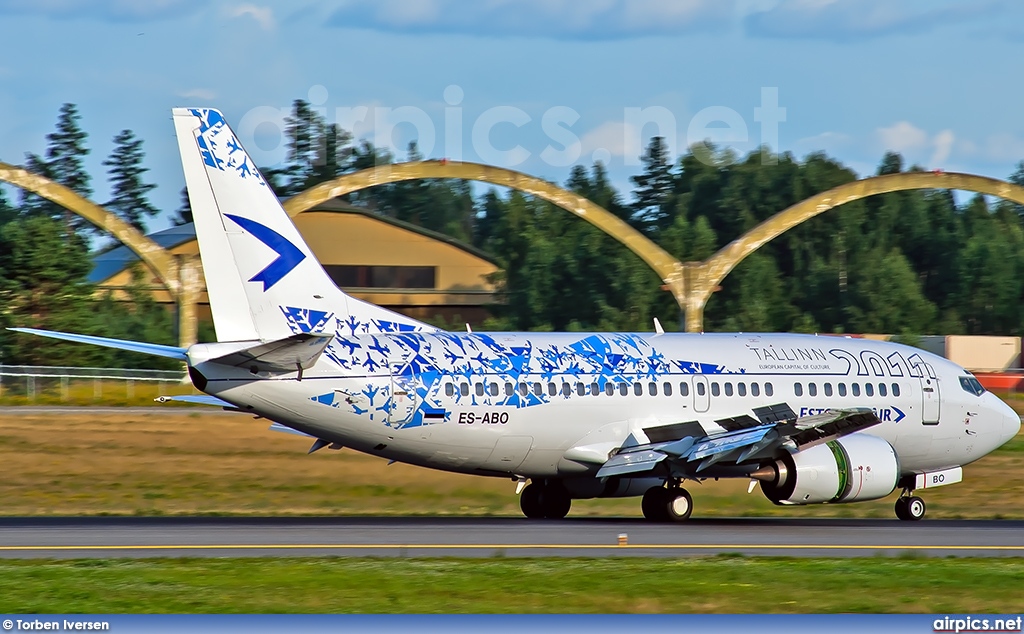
(810, 419)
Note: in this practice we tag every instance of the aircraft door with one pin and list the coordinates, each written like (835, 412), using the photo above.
(701, 395)
(929, 396)
(404, 398)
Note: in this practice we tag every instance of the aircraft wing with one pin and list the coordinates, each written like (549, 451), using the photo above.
(744, 439)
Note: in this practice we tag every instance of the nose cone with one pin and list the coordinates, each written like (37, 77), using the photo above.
(1011, 422)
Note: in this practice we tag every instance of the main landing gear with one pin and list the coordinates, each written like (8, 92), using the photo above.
(545, 500)
(910, 508)
(667, 504)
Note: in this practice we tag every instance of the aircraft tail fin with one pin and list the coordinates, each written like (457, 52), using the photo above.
(263, 280)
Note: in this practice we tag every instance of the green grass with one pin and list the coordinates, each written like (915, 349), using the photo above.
(15, 392)
(716, 584)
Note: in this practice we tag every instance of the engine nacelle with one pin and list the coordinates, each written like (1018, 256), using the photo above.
(852, 468)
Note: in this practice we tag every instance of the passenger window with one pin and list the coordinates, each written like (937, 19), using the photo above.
(449, 389)
(581, 390)
(494, 389)
(728, 389)
(552, 390)
(856, 389)
(595, 389)
(464, 389)
(741, 389)
(652, 388)
(638, 388)
(566, 389)
(538, 388)
(869, 389)
(895, 389)
(609, 388)
(701, 390)
(667, 388)
(716, 390)
(842, 389)
(812, 389)
(769, 390)
(755, 389)
(828, 389)
(479, 389)
(882, 391)
(623, 389)
(684, 388)
(798, 389)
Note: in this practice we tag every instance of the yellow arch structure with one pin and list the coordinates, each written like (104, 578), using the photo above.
(705, 276)
(662, 262)
(180, 275)
(691, 283)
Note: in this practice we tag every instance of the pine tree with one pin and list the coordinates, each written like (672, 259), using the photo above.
(63, 164)
(128, 189)
(654, 186)
(184, 213)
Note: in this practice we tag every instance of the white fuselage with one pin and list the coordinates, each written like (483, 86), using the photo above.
(516, 403)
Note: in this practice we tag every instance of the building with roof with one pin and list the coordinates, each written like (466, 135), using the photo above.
(408, 269)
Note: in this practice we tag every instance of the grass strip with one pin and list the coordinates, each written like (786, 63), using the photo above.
(723, 584)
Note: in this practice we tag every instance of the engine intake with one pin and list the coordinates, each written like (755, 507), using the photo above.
(852, 468)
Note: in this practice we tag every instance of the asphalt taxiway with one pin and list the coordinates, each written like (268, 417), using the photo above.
(104, 537)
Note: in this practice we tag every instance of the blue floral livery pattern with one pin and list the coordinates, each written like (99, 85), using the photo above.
(420, 364)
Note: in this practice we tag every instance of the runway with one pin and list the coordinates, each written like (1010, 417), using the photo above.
(488, 537)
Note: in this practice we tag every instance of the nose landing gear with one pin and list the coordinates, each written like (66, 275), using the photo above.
(910, 508)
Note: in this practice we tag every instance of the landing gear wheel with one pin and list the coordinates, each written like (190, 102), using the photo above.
(654, 504)
(672, 504)
(530, 501)
(910, 508)
(679, 504)
(545, 501)
(555, 501)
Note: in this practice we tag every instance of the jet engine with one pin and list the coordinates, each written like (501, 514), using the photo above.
(851, 468)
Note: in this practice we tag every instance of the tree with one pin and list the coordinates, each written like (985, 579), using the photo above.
(63, 164)
(128, 190)
(653, 187)
(183, 215)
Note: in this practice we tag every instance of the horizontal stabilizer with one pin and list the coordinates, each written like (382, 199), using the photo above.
(284, 355)
(196, 399)
(154, 349)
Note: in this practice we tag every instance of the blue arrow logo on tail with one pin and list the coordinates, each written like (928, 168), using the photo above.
(899, 414)
(288, 255)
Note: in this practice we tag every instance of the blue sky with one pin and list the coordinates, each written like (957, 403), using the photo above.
(532, 84)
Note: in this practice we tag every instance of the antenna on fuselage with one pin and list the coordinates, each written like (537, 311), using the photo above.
(658, 329)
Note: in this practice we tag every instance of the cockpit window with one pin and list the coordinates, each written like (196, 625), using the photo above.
(972, 385)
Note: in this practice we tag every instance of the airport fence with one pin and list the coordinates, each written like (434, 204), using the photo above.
(28, 384)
